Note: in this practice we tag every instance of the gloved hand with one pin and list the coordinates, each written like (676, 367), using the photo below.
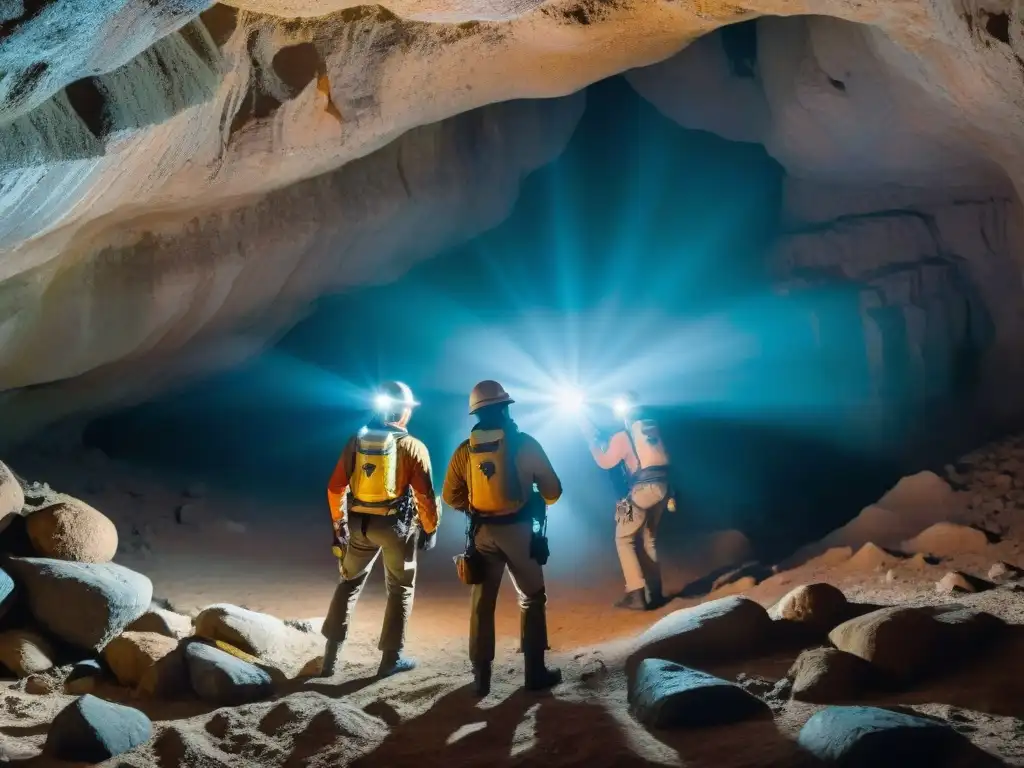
(340, 541)
(427, 541)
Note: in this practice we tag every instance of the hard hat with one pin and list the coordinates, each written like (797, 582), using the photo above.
(487, 393)
(393, 395)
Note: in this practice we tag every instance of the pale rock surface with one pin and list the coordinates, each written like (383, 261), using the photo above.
(162, 622)
(25, 653)
(131, 654)
(821, 606)
(72, 530)
(172, 200)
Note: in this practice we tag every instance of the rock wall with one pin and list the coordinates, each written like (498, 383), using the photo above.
(170, 193)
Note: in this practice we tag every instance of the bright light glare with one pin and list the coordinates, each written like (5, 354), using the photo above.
(571, 399)
(382, 402)
(621, 407)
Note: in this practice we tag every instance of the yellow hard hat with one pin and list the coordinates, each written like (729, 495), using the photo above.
(487, 393)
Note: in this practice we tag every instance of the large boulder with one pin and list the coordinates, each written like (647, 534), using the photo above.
(819, 606)
(222, 679)
(877, 738)
(729, 627)
(898, 641)
(825, 675)
(163, 622)
(25, 652)
(132, 653)
(669, 695)
(84, 604)
(12, 496)
(72, 530)
(947, 540)
(92, 730)
(265, 637)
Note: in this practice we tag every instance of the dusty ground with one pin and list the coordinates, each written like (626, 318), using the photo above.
(428, 717)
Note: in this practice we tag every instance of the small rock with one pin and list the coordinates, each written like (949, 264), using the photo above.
(222, 679)
(869, 737)
(12, 496)
(899, 641)
(85, 604)
(593, 669)
(729, 627)
(890, 576)
(196, 490)
(39, 685)
(93, 730)
(83, 677)
(25, 653)
(162, 622)
(313, 667)
(187, 514)
(957, 582)
(947, 540)
(1001, 571)
(132, 653)
(668, 695)
(819, 605)
(72, 530)
(824, 675)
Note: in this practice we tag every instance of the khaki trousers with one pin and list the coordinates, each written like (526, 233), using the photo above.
(369, 536)
(507, 546)
(636, 531)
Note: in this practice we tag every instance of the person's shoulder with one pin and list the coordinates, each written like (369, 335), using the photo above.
(412, 444)
(529, 441)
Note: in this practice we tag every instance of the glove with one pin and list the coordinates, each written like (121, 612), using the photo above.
(427, 541)
(340, 542)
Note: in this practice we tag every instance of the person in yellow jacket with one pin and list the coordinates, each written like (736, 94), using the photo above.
(381, 497)
(638, 447)
(492, 478)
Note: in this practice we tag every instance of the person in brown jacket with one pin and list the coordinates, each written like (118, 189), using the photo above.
(382, 499)
(491, 477)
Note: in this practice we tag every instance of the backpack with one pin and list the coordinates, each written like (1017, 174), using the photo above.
(493, 479)
(374, 481)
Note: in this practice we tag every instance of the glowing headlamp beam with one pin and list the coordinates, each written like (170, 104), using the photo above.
(621, 407)
(571, 399)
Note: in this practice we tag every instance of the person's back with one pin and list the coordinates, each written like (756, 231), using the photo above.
(639, 447)
(503, 480)
(381, 486)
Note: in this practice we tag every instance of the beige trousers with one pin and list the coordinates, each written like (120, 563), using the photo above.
(368, 537)
(501, 546)
(636, 534)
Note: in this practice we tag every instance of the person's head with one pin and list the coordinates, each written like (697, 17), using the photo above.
(395, 403)
(489, 402)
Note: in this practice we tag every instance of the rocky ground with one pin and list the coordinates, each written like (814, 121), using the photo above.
(897, 639)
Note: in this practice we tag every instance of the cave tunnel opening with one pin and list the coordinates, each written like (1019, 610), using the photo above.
(658, 230)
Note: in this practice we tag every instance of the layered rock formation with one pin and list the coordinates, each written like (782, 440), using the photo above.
(183, 186)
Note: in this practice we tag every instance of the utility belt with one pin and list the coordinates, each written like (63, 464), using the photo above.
(402, 510)
(649, 475)
(470, 566)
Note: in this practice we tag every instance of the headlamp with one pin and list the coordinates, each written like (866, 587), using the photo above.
(382, 402)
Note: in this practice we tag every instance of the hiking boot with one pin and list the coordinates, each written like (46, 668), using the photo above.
(394, 662)
(655, 597)
(634, 601)
(482, 679)
(332, 659)
(539, 677)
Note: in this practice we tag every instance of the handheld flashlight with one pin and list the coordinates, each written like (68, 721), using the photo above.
(621, 407)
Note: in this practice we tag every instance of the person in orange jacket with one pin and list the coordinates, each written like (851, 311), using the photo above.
(639, 448)
(502, 479)
(381, 497)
